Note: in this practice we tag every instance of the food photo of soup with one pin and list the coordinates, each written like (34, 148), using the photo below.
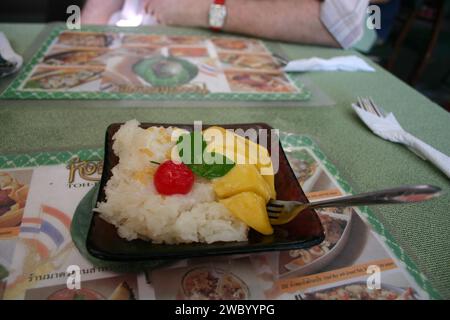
(213, 284)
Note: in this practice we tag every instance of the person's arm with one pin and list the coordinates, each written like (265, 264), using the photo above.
(99, 11)
(284, 20)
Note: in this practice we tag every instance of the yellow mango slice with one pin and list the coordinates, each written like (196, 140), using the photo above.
(270, 180)
(241, 151)
(242, 178)
(251, 209)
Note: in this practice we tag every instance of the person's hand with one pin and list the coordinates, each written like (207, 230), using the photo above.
(188, 13)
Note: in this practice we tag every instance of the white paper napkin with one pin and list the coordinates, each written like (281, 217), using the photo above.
(389, 129)
(345, 63)
(132, 15)
(8, 54)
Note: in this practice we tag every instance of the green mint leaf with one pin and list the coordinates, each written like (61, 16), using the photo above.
(192, 152)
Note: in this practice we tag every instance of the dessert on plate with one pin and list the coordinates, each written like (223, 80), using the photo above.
(161, 193)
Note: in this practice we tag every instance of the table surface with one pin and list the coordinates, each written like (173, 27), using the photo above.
(366, 161)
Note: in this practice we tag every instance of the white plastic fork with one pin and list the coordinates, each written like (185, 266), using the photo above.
(386, 126)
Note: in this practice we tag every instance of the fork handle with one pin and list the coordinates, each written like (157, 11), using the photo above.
(436, 157)
(403, 194)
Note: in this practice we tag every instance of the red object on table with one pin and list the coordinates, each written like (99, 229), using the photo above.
(173, 178)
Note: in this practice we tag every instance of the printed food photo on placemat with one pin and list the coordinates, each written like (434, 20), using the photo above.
(236, 44)
(188, 51)
(310, 174)
(303, 261)
(136, 74)
(118, 288)
(144, 40)
(86, 39)
(350, 284)
(135, 51)
(63, 56)
(230, 280)
(360, 291)
(248, 61)
(160, 71)
(186, 40)
(64, 78)
(246, 81)
(14, 186)
(213, 283)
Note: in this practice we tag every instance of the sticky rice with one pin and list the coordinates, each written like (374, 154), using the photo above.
(137, 210)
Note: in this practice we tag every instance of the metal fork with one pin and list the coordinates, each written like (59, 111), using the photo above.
(388, 128)
(369, 105)
(281, 212)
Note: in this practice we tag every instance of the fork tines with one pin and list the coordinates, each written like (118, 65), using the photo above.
(378, 110)
(274, 209)
(369, 105)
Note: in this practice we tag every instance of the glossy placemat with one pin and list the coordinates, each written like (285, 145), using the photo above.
(16, 89)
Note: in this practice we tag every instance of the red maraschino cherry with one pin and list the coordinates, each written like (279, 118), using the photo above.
(173, 178)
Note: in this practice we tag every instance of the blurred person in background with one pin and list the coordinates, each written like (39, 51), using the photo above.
(335, 23)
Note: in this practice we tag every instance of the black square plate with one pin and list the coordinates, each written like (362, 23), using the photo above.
(303, 232)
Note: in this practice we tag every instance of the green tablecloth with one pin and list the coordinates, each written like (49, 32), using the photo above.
(365, 160)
